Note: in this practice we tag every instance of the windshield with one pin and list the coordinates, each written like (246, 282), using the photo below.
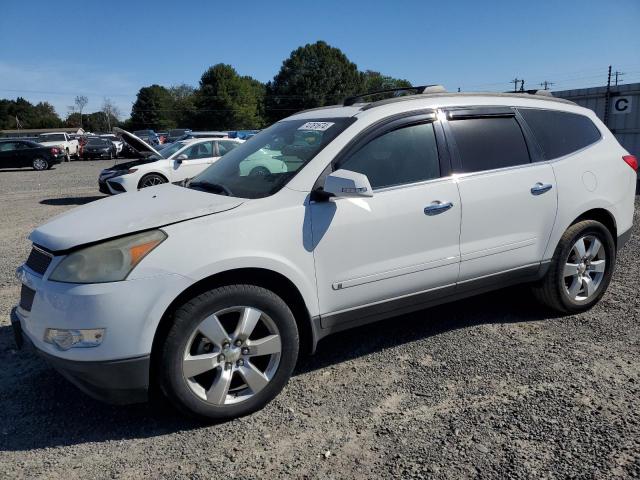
(167, 151)
(263, 165)
(96, 141)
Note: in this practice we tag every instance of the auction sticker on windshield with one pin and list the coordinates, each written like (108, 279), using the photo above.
(316, 126)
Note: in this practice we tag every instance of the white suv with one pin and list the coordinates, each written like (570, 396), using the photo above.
(209, 290)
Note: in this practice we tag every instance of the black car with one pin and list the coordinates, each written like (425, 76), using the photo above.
(97, 147)
(25, 153)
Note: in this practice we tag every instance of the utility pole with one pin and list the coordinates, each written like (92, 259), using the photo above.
(607, 98)
(522, 86)
(618, 74)
(515, 84)
(546, 84)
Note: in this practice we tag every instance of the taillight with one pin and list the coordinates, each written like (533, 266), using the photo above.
(632, 161)
(54, 151)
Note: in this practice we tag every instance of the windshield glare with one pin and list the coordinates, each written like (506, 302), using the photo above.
(264, 164)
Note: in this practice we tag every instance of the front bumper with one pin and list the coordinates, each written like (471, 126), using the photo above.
(117, 381)
(117, 370)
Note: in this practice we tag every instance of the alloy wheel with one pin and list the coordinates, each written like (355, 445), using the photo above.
(585, 268)
(232, 355)
(151, 181)
(39, 164)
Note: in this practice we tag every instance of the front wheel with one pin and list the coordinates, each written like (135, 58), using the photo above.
(151, 179)
(229, 352)
(580, 270)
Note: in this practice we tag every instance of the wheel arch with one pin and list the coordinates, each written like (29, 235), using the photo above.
(269, 279)
(603, 216)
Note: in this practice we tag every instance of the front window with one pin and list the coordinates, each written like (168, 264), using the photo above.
(264, 164)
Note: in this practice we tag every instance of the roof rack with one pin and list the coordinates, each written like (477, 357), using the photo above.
(416, 91)
(544, 93)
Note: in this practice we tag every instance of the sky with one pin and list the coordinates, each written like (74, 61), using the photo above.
(54, 50)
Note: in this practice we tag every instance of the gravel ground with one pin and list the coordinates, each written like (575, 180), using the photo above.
(490, 387)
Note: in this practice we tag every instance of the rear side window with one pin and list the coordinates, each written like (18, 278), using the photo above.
(560, 133)
(488, 143)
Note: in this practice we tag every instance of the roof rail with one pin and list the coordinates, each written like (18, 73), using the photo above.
(416, 91)
(544, 93)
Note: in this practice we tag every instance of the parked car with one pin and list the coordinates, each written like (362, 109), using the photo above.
(175, 163)
(98, 147)
(149, 136)
(117, 141)
(16, 153)
(209, 290)
(177, 134)
(68, 145)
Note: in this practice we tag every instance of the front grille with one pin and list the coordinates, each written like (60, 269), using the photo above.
(38, 261)
(116, 186)
(26, 298)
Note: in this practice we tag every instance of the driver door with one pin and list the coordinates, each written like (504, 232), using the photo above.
(199, 156)
(396, 249)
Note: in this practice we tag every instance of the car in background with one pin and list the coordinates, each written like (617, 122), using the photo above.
(177, 134)
(68, 145)
(117, 141)
(98, 147)
(17, 153)
(162, 137)
(149, 136)
(179, 161)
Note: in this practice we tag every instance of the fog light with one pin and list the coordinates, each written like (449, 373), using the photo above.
(65, 339)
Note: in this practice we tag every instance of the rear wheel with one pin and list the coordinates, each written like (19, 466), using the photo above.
(151, 179)
(40, 163)
(580, 270)
(67, 157)
(229, 352)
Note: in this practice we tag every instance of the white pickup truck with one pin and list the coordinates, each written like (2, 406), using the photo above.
(70, 146)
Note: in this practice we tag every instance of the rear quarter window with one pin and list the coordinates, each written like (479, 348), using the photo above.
(560, 133)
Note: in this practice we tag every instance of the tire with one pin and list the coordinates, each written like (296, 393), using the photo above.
(67, 157)
(208, 395)
(39, 164)
(151, 180)
(567, 292)
(110, 155)
(259, 171)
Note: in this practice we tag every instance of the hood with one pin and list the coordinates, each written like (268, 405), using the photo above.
(128, 213)
(136, 142)
(127, 165)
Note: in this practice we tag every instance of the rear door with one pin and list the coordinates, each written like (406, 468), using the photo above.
(509, 198)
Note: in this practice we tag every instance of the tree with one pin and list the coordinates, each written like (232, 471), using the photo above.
(225, 100)
(183, 108)
(20, 112)
(374, 81)
(80, 102)
(152, 109)
(111, 113)
(313, 76)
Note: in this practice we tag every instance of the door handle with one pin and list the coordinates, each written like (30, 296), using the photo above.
(540, 188)
(437, 207)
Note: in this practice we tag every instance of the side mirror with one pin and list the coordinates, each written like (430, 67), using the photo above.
(347, 184)
(181, 157)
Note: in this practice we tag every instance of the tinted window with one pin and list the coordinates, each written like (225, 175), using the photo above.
(7, 146)
(406, 155)
(488, 143)
(227, 146)
(560, 133)
(199, 150)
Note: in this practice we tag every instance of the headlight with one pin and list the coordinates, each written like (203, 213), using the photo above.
(110, 261)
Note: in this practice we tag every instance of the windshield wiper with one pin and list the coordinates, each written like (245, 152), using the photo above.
(209, 187)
